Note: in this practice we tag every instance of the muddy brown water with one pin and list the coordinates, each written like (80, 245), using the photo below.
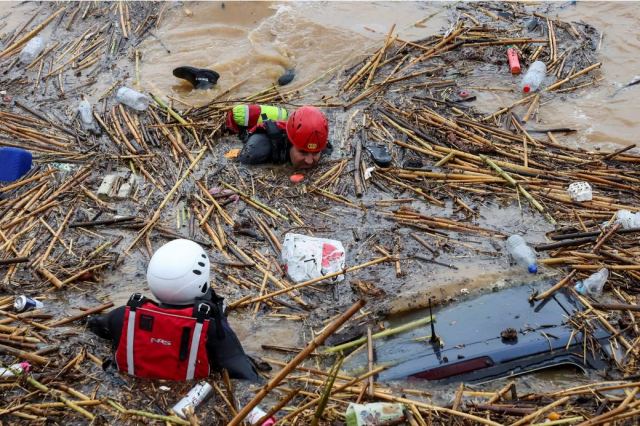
(254, 42)
(251, 44)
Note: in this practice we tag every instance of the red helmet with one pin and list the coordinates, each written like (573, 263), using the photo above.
(308, 129)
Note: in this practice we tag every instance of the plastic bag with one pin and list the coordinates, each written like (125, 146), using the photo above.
(306, 258)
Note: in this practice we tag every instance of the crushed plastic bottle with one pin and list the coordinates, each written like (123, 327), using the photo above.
(522, 253)
(132, 99)
(85, 110)
(31, 50)
(534, 77)
(628, 220)
(594, 284)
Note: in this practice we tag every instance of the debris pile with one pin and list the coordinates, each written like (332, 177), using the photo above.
(63, 231)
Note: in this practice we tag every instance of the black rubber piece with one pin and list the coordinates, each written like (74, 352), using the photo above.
(380, 155)
(199, 78)
(287, 77)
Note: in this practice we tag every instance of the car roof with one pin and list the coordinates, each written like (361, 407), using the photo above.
(471, 330)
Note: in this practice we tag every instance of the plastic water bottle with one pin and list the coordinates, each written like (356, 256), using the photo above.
(522, 253)
(132, 99)
(593, 285)
(31, 50)
(534, 77)
(85, 110)
(628, 220)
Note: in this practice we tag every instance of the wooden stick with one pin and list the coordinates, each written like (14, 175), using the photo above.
(616, 307)
(81, 315)
(370, 359)
(333, 391)
(84, 271)
(357, 172)
(519, 187)
(284, 401)
(56, 236)
(619, 409)
(49, 276)
(532, 416)
(572, 76)
(167, 198)
(22, 354)
(33, 382)
(22, 182)
(501, 393)
(14, 47)
(261, 205)
(13, 260)
(310, 282)
(605, 237)
(556, 287)
(335, 325)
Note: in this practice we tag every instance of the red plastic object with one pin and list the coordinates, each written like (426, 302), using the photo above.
(297, 178)
(463, 94)
(514, 62)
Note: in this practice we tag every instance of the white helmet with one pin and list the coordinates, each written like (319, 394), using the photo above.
(178, 272)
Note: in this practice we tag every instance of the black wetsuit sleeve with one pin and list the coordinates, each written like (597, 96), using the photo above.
(227, 353)
(257, 150)
(108, 326)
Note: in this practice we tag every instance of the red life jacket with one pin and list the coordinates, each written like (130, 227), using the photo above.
(163, 343)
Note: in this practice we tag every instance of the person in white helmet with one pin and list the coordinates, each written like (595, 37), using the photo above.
(185, 335)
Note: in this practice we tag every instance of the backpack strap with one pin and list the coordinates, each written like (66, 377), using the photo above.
(135, 301)
(201, 312)
(278, 140)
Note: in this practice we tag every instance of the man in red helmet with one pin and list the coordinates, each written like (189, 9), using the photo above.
(300, 140)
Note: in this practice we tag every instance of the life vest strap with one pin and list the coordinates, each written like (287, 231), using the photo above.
(193, 355)
(277, 138)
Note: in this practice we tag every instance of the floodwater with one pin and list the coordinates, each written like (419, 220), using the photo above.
(251, 44)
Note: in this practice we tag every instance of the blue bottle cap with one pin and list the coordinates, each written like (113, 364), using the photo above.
(533, 268)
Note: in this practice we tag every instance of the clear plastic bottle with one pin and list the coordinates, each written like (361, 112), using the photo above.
(594, 284)
(132, 99)
(85, 110)
(31, 50)
(534, 77)
(522, 253)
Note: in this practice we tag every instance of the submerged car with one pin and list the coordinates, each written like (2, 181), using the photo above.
(492, 336)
